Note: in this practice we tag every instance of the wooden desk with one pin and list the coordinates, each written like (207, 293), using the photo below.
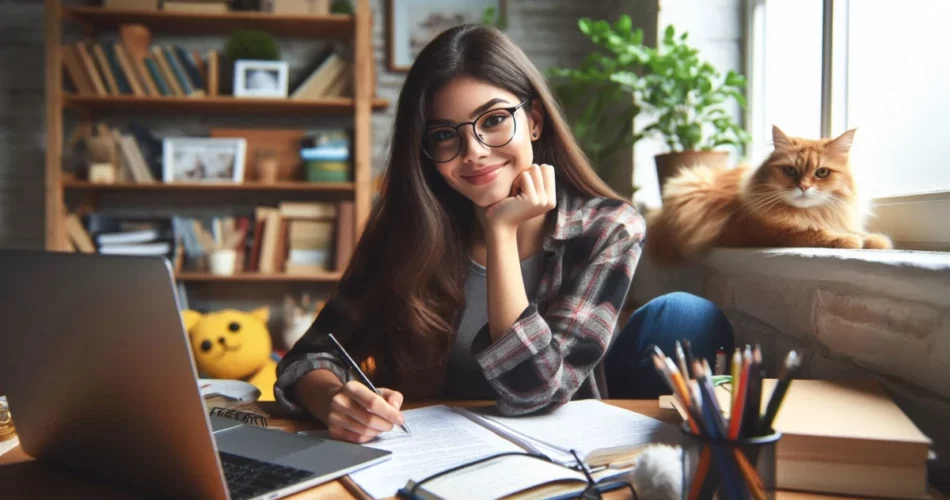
(23, 477)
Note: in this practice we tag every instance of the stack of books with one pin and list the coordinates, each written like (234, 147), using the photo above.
(330, 75)
(326, 156)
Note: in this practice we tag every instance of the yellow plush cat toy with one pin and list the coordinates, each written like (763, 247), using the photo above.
(235, 345)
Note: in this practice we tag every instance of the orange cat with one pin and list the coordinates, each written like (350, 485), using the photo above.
(803, 195)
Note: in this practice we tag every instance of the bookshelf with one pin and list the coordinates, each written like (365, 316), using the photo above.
(213, 105)
(93, 21)
(158, 187)
(191, 277)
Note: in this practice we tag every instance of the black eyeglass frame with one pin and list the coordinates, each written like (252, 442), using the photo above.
(511, 110)
(593, 491)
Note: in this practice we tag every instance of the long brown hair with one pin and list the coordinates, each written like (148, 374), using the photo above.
(404, 286)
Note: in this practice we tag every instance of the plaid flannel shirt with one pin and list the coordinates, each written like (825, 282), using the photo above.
(551, 350)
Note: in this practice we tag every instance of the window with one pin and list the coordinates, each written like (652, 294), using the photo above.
(820, 67)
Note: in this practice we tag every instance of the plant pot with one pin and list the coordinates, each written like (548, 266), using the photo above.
(668, 164)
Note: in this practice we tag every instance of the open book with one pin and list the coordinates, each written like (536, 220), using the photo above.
(607, 438)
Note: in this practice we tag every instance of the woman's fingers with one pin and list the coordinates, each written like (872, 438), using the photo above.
(373, 402)
(547, 174)
(341, 426)
(528, 188)
(394, 398)
(354, 410)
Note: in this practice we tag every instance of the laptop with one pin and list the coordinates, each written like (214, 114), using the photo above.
(97, 369)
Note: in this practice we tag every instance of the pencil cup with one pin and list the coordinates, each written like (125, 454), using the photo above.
(223, 261)
(728, 470)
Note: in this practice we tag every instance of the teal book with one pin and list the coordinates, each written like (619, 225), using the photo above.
(179, 72)
(157, 76)
(120, 80)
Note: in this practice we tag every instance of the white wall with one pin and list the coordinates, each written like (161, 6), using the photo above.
(715, 28)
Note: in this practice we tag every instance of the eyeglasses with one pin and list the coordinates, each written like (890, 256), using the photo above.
(493, 128)
(593, 491)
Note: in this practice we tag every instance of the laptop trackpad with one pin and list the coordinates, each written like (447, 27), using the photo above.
(261, 444)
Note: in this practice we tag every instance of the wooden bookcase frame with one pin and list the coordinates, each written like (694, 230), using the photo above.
(92, 20)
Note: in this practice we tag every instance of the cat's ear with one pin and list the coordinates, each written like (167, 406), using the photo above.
(779, 139)
(841, 146)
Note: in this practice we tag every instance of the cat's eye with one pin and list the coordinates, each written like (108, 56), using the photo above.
(822, 172)
(790, 171)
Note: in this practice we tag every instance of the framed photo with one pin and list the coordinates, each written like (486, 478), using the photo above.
(412, 24)
(192, 159)
(260, 78)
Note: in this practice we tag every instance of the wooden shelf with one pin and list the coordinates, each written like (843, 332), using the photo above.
(225, 104)
(344, 187)
(329, 277)
(333, 26)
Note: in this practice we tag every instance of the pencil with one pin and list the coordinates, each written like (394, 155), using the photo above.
(356, 369)
(751, 412)
(688, 349)
(736, 368)
(735, 416)
(792, 362)
(681, 359)
(660, 366)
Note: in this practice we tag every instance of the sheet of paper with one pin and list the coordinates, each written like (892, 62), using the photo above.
(589, 425)
(9, 444)
(441, 439)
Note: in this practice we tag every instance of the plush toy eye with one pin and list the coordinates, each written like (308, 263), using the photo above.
(790, 171)
(822, 172)
(206, 345)
(234, 326)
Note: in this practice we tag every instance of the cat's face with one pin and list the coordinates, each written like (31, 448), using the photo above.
(808, 173)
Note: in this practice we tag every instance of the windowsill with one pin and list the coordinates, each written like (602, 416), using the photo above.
(827, 264)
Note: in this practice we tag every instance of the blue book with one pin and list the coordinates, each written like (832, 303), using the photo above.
(120, 80)
(179, 72)
(153, 70)
(190, 66)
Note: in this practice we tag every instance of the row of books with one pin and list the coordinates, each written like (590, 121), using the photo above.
(117, 68)
(329, 75)
(299, 238)
(136, 154)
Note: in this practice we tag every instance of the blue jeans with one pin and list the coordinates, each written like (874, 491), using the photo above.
(662, 321)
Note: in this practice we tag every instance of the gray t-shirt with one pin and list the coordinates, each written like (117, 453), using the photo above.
(464, 378)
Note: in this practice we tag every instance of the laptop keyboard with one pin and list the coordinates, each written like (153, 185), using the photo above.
(248, 478)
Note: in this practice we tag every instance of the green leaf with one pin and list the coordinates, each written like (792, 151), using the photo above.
(584, 24)
(624, 24)
(733, 79)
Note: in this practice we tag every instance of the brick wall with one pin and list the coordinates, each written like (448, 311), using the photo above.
(22, 154)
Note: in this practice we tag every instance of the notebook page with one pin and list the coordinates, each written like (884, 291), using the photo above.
(441, 439)
(589, 425)
(502, 477)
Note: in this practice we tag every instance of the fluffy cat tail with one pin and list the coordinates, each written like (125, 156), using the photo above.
(697, 204)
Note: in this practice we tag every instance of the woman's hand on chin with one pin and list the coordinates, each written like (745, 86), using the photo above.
(532, 194)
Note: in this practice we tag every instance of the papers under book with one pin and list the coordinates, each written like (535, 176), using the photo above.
(445, 437)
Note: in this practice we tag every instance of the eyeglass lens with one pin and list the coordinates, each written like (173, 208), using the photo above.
(494, 128)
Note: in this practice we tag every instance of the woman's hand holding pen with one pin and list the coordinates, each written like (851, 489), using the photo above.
(532, 194)
(357, 414)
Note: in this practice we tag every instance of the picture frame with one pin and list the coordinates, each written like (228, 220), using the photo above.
(411, 24)
(203, 160)
(260, 79)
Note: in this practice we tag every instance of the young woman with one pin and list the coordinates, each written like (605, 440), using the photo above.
(493, 265)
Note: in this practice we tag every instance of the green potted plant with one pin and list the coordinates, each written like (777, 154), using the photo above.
(687, 96)
(247, 47)
(601, 107)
